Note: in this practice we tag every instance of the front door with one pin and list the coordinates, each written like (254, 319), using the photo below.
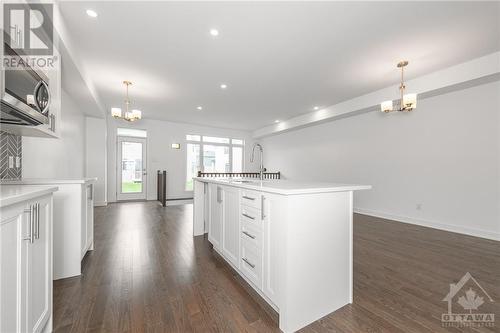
(132, 175)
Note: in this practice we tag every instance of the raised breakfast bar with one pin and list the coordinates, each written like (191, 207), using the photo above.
(291, 241)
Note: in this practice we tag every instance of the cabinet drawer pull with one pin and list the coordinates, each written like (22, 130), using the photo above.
(250, 217)
(37, 221)
(249, 235)
(248, 262)
(248, 198)
(30, 221)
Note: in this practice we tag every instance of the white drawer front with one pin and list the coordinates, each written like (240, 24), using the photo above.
(251, 199)
(251, 215)
(251, 234)
(251, 263)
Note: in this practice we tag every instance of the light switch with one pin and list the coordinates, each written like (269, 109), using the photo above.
(11, 162)
(18, 162)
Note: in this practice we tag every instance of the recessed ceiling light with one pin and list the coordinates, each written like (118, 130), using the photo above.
(316, 108)
(91, 13)
(199, 108)
(214, 32)
(223, 86)
(276, 121)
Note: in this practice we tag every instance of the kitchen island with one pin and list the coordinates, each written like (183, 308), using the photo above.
(291, 241)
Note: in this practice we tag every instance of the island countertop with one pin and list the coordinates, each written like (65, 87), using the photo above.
(12, 194)
(48, 181)
(284, 187)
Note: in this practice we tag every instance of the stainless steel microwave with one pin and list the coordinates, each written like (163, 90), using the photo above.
(25, 95)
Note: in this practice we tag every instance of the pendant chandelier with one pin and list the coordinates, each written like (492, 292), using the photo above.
(407, 102)
(128, 115)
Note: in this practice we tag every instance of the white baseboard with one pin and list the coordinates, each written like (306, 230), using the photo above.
(431, 224)
(179, 202)
(100, 203)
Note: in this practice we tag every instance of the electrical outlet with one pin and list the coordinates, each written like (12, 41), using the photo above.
(18, 162)
(11, 162)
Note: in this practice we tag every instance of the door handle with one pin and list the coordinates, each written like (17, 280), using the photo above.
(248, 262)
(42, 106)
(30, 235)
(249, 235)
(250, 217)
(37, 225)
(262, 211)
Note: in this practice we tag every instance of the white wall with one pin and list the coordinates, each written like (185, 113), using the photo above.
(160, 156)
(58, 158)
(96, 157)
(444, 156)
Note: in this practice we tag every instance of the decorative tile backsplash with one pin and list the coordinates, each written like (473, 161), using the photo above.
(10, 149)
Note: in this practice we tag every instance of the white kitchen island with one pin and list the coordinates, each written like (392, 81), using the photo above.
(291, 241)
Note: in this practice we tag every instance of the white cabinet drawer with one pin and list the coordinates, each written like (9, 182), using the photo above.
(251, 234)
(251, 199)
(251, 263)
(251, 215)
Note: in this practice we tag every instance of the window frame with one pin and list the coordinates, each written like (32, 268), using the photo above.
(201, 143)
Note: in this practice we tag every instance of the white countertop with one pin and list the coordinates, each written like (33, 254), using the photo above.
(48, 181)
(285, 187)
(12, 194)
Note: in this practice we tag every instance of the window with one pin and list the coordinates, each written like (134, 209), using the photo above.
(212, 154)
(193, 164)
(131, 132)
(215, 139)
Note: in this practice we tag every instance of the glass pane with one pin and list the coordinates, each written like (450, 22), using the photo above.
(191, 137)
(193, 164)
(131, 167)
(237, 142)
(214, 139)
(237, 159)
(216, 158)
(136, 133)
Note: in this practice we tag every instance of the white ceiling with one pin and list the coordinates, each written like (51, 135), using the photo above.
(279, 59)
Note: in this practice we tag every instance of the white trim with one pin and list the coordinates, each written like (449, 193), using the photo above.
(432, 224)
(179, 202)
(100, 203)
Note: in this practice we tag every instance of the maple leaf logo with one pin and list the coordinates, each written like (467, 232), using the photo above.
(471, 301)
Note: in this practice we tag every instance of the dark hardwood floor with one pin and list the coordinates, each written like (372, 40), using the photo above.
(148, 274)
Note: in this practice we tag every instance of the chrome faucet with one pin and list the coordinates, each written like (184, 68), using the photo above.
(252, 158)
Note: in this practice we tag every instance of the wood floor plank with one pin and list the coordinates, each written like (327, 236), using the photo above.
(148, 274)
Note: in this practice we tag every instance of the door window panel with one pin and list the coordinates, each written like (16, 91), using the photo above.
(131, 167)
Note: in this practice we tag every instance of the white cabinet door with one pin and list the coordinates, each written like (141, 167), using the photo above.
(231, 225)
(13, 230)
(40, 267)
(271, 229)
(215, 223)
